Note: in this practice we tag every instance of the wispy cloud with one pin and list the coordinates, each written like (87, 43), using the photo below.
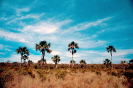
(1, 47)
(13, 36)
(45, 27)
(2, 53)
(34, 16)
(86, 25)
(91, 43)
(20, 10)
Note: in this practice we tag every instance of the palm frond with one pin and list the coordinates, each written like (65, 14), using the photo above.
(48, 50)
(68, 49)
(18, 51)
(38, 47)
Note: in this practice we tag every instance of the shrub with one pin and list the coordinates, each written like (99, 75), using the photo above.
(16, 68)
(22, 72)
(98, 72)
(5, 77)
(114, 73)
(61, 74)
(30, 73)
(42, 74)
(1, 70)
(36, 66)
(51, 67)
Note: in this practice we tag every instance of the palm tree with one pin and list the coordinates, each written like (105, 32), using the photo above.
(42, 47)
(72, 61)
(44, 60)
(107, 62)
(72, 46)
(24, 53)
(56, 59)
(110, 49)
(131, 61)
(30, 62)
(82, 62)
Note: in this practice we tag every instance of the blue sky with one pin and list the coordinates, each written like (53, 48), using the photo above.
(93, 24)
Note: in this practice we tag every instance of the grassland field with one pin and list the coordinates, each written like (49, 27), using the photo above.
(47, 76)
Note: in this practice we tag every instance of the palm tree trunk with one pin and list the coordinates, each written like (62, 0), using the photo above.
(72, 57)
(55, 64)
(111, 60)
(21, 63)
(43, 54)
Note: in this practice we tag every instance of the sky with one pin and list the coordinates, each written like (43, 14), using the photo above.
(93, 24)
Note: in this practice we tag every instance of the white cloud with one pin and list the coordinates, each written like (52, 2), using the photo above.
(6, 49)
(13, 36)
(2, 53)
(34, 16)
(3, 18)
(20, 10)
(56, 53)
(86, 25)
(42, 28)
(13, 58)
(1, 47)
(45, 27)
(91, 44)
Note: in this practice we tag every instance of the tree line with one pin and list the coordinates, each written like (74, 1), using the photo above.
(44, 47)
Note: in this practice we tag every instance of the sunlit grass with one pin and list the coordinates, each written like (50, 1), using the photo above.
(90, 76)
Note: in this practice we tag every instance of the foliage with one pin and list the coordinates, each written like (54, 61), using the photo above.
(26, 71)
(6, 76)
(43, 46)
(72, 46)
(73, 61)
(82, 61)
(22, 72)
(98, 72)
(110, 49)
(42, 74)
(131, 61)
(61, 74)
(24, 52)
(107, 62)
(56, 58)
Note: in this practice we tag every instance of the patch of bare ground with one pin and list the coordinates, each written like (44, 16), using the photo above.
(71, 80)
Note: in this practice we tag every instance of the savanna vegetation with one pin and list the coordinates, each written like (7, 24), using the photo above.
(47, 76)
(83, 75)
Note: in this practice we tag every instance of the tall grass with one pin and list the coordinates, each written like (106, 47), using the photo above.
(91, 76)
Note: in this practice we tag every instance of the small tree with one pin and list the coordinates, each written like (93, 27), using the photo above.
(131, 64)
(30, 62)
(110, 49)
(24, 53)
(82, 62)
(72, 47)
(42, 47)
(107, 62)
(131, 61)
(56, 59)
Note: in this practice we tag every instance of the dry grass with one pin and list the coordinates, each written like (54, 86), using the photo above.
(71, 80)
